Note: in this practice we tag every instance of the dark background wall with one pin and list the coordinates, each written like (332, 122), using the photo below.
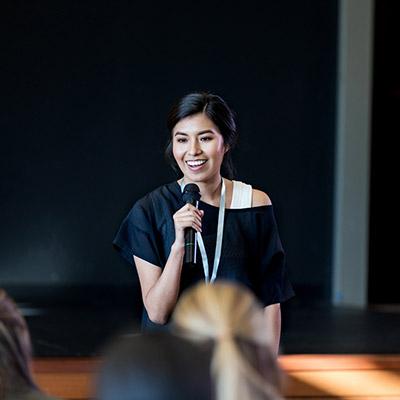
(85, 89)
(382, 285)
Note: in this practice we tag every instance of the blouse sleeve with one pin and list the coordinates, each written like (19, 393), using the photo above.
(274, 283)
(138, 236)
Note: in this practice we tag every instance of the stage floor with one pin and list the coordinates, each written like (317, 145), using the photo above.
(81, 332)
(326, 352)
(314, 377)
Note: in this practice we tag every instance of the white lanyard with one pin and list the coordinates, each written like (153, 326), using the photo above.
(218, 246)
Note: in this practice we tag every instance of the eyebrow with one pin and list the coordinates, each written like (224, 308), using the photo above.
(199, 133)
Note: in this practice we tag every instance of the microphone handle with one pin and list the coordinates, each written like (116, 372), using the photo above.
(190, 249)
(190, 243)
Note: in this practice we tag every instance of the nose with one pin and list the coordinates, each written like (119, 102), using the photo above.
(194, 147)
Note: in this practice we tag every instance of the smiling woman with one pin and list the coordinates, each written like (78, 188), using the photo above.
(203, 115)
(198, 147)
(235, 226)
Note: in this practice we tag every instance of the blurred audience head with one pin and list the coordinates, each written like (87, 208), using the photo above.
(15, 347)
(243, 365)
(154, 366)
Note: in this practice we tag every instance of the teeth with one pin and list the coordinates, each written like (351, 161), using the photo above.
(196, 163)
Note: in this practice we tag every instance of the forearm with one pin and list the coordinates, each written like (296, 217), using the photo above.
(273, 323)
(162, 297)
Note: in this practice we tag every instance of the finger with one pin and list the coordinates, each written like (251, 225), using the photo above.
(189, 214)
(199, 212)
(188, 219)
(188, 207)
(197, 227)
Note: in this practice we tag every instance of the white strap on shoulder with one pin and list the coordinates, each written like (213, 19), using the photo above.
(242, 195)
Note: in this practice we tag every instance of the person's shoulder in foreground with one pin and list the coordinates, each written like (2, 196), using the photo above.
(16, 376)
(29, 394)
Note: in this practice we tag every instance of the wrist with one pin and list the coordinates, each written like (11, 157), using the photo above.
(178, 248)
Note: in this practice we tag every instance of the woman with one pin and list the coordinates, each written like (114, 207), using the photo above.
(202, 135)
(242, 365)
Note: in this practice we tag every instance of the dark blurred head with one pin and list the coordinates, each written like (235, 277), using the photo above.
(15, 345)
(218, 111)
(154, 367)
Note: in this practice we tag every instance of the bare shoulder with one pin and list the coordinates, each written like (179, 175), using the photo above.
(260, 198)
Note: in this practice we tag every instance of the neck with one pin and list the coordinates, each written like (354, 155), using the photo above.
(210, 190)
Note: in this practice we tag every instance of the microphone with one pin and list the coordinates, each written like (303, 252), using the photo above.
(191, 195)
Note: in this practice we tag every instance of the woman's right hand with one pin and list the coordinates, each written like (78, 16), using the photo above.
(187, 217)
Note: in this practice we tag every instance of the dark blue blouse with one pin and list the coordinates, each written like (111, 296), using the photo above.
(252, 252)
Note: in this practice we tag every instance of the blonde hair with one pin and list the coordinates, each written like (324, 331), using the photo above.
(230, 315)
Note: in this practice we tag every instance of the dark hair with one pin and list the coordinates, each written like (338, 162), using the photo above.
(156, 366)
(219, 113)
(15, 346)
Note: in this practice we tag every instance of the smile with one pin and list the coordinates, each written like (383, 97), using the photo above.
(195, 164)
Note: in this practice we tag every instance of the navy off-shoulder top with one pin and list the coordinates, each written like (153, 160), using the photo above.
(252, 252)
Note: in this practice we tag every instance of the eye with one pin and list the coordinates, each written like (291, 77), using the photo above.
(206, 138)
(181, 140)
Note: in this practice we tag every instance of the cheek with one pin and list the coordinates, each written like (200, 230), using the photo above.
(221, 147)
(176, 152)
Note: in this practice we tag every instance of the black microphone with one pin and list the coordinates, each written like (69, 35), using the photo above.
(191, 195)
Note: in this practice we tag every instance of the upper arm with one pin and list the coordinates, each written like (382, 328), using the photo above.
(148, 275)
(260, 198)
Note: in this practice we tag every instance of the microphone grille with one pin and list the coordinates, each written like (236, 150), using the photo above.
(191, 193)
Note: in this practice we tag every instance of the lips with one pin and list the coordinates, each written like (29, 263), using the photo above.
(195, 165)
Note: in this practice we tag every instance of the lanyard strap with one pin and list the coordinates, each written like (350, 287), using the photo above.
(218, 246)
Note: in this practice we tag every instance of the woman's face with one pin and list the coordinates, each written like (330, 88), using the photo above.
(198, 147)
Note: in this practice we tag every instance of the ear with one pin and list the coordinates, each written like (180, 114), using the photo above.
(227, 148)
